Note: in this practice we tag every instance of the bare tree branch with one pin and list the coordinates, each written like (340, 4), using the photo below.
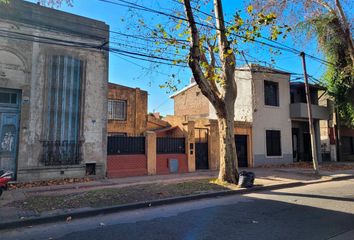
(195, 56)
(226, 54)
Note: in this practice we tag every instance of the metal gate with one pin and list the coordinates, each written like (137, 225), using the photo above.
(241, 150)
(201, 148)
(9, 128)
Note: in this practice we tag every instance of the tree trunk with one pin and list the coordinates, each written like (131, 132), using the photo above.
(223, 100)
(228, 159)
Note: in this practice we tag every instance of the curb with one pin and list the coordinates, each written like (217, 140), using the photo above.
(133, 206)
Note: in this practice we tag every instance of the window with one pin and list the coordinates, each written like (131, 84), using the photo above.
(117, 109)
(8, 98)
(61, 140)
(271, 93)
(273, 143)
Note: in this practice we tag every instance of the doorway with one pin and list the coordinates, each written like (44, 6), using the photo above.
(201, 148)
(9, 128)
(241, 150)
(307, 148)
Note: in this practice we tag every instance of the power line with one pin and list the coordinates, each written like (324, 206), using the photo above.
(142, 8)
(144, 38)
(136, 64)
(131, 54)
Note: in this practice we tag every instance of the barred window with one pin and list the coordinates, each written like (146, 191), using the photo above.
(61, 139)
(117, 110)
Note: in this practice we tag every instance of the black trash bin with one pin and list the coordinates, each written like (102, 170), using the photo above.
(246, 179)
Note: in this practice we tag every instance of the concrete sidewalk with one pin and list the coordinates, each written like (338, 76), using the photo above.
(266, 178)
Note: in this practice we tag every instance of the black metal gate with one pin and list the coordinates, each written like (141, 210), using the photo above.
(241, 150)
(201, 148)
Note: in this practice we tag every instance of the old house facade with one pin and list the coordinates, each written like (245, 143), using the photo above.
(53, 92)
(127, 110)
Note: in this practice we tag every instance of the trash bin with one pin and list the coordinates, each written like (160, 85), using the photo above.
(246, 179)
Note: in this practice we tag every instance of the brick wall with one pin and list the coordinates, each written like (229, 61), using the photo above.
(154, 123)
(136, 121)
(162, 163)
(126, 165)
(191, 103)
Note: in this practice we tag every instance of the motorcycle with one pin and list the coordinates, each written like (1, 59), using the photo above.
(5, 177)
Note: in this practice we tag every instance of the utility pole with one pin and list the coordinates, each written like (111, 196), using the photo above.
(309, 110)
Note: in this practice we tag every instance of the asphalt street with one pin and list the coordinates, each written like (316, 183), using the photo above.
(318, 211)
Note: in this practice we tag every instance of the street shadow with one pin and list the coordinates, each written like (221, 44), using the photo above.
(236, 217)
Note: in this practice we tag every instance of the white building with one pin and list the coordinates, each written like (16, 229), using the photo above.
(263, 98)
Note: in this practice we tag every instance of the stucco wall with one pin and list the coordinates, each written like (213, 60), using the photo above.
(136, 122)
(271, 118)
(244, 101)
(23, 67)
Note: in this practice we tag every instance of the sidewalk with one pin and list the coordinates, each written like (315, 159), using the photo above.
(109, 195)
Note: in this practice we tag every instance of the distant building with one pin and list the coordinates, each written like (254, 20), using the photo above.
(337, 139)
(321, 114)
(53, 88)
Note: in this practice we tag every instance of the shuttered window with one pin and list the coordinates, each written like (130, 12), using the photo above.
(117, 110)
(273, 141)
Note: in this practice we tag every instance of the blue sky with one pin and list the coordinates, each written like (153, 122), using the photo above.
(125, 71)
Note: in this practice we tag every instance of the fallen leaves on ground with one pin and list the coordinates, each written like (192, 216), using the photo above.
(115, 196)
(49, 182)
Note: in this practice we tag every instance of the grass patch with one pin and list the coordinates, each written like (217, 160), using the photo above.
(116, 196)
